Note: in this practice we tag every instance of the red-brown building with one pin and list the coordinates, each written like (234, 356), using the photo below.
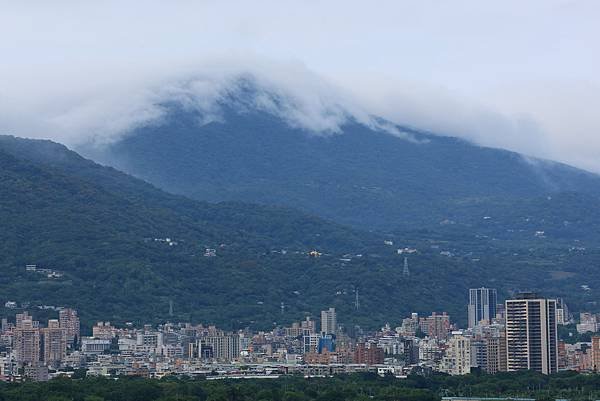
(372, 355)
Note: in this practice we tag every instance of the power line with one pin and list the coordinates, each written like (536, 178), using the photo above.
(406, 271)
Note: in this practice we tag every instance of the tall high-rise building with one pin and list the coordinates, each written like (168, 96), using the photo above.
(410, 325)
(436, 325)
(27, 341)
(308, 326)
(55, 342)
(20, 317)
(495, 354)
(70, 322)
(562, 312)
(224, 347)
(596, 353)
(368, 354)
(482, 305)
(489, 345)
(531, 334)
(458, 359)
(328, 321)
(310, 343)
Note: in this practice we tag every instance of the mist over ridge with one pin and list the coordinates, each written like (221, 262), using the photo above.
(103, 113)
(454, 70)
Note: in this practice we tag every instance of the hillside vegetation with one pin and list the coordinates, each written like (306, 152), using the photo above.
(105, 232)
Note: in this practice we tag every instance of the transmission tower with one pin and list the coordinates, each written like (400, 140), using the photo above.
(405, 271)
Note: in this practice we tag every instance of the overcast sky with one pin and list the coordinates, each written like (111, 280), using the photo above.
(522, 75)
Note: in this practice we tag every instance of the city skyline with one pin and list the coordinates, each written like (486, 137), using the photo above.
(522, 336)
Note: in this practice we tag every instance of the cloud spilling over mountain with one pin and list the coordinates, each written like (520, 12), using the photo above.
(103, 113)
(512, 75)
(291, 92)
(361, 176)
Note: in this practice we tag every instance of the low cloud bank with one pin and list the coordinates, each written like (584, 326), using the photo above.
(103, 112)
(103, 109)
(516, 75)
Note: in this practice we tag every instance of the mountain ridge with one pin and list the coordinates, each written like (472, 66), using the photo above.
(361, 177)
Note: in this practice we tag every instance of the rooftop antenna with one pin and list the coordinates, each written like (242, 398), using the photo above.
(356, 303)
(405, 271)
(171, 307)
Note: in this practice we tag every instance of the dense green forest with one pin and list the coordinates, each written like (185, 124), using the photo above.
(356, 387)
(97, 226)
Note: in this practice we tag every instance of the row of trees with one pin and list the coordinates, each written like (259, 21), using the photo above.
(357, 387)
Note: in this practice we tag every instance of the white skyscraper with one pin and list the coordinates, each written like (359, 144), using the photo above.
(328, 321)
